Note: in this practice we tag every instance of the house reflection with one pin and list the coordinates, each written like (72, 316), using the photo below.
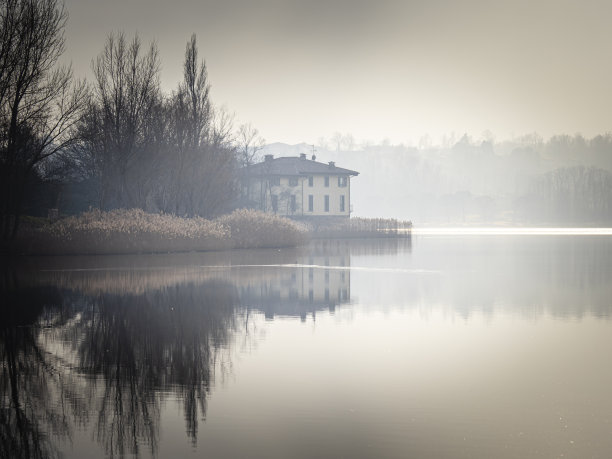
(318, 280)
(101, 344)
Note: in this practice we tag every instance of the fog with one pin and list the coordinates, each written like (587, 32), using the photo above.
(447, 90)
(388, 69)
(451, 88)
(464, 180)
(305, 228)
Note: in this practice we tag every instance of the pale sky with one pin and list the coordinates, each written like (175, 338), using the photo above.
(396, 70)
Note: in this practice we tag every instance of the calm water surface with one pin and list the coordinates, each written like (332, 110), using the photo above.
(441, 346)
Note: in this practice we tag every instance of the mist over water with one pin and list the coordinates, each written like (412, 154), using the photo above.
(434, 346)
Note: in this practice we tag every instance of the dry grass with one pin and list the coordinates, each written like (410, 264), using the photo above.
(253, 229)
(135, 231)
(357, 227)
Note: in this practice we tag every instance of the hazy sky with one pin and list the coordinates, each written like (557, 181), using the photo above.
(300, 70)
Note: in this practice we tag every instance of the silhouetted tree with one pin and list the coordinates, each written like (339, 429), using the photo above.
(39, 104)
(126, 100)
(191, 116)
(201, 166)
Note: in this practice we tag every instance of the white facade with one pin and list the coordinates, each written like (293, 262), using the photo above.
(305, 194)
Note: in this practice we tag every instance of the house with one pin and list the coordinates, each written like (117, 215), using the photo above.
(299, 187)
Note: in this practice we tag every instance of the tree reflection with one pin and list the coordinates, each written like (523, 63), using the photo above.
(69, 359)
(102, 349)
(142, 344)
(37, 402)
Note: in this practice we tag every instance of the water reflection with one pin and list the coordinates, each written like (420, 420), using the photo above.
(34, 408)
(101, 345)
(529, 276)
(102, 361)
(317, 280)
(141, 343)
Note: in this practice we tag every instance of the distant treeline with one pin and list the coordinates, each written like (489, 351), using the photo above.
(528, 180)
(117, 141)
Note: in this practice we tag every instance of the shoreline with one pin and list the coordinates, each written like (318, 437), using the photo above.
(133, 231)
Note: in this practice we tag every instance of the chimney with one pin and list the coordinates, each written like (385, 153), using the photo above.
(332, 164)
(268, 158)
(302, 155)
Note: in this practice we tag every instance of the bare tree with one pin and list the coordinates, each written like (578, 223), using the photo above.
(322, 143)
(201, 166)
(336, 140)
(222, 128)
(219, 180)
(196, 88)
(39, 103)
(348, 141)
(191, 120)
(248, 144)
(126, 98)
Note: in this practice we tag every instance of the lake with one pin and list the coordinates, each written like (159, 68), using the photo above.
(436, 346)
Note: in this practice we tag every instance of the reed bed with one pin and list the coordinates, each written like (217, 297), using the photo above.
(126, 231)
(357, 227)
(254, 229)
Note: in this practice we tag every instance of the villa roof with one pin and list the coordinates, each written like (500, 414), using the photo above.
(292, 165)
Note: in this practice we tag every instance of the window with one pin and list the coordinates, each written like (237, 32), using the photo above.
(327, 181)
(293, 203)
(310, 180)
(293, 181)
(342, 181)
(274, 203)
(326, 203)
(342, 206)
(310, 203)
(275, 181)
